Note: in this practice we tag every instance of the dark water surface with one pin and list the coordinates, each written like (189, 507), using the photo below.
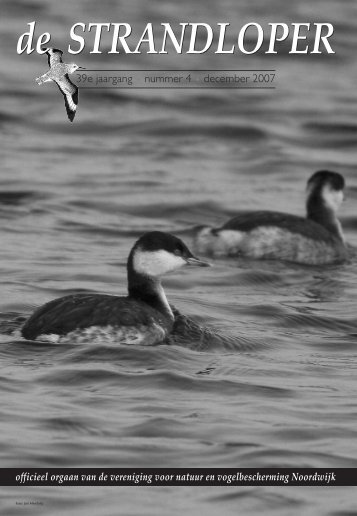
(274, 383)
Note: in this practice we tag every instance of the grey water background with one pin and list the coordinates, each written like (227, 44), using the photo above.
(275, 386)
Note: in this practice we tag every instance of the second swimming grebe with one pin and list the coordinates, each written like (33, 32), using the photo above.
(143, 317)
(316, 239)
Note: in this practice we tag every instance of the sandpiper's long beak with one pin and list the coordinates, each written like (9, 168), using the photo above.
(196, 262)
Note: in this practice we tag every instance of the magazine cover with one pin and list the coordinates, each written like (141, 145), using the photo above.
(178, 268)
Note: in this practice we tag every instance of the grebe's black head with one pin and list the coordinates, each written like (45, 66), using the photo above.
(327, 187)
(156, 253)
(325, 177)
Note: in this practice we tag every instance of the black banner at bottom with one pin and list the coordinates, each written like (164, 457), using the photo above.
(178, 477)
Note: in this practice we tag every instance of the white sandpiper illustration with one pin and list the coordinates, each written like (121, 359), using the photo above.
(58, 73)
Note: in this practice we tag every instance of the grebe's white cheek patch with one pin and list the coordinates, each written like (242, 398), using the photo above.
(333, 198)
(156, 263)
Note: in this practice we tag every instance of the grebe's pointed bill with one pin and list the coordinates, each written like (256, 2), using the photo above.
(196, 262)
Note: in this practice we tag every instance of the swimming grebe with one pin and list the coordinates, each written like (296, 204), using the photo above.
(316, 239)
(143, 317)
